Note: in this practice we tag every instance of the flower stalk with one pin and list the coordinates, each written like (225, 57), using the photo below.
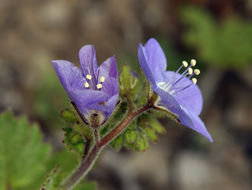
(88, 162)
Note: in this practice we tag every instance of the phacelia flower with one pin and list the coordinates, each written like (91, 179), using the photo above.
(93, 90)
(178, 91)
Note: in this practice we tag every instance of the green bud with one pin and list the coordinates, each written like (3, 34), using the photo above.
(128, 81)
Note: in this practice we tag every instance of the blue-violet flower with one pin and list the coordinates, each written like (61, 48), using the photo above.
(177, 90)
(93, 90)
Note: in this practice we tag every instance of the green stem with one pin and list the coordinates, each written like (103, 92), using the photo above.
(87, 163)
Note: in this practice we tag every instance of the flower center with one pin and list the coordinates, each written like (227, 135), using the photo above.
(178, 84)
(98, 85)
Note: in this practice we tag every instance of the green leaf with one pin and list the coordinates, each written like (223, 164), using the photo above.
(86, 185)
(142, 142)
(222, 44)
(156, 125)
(151, 134)
(23, 155)
(53, 180)
(138, 134)
(118, 142)
(74, 141)
(69, 116)
(130, 135)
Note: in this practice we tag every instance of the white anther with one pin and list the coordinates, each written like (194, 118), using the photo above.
(194, 80)
(99, 86)
(89, 77)
(185, 63)
(196, 71)
(86, 85)
(190, 71)
(193, 62)
(102, 79)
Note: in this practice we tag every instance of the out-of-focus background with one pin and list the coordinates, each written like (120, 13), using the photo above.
(218, 33)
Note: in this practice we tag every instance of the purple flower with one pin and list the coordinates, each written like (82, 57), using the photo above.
(178, 92)
(93, 90)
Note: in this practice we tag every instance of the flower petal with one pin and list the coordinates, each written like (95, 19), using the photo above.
(108, 69)
(197, 124)
(143, 60)
(106, 107)
(88, 61)
(188, 119)
(110, 87)
(69, 75)
(156, 57)
(191, 97)
(86, 98)
(168, 100)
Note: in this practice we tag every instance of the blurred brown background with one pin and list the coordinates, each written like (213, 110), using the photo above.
(218, 33)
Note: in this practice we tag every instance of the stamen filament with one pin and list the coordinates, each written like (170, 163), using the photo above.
(182, 75)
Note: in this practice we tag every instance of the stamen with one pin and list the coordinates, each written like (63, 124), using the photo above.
(89, 77)
(190, 71)
(193, 62)
(194, 80)
(86, 85)
(185, 63)
(102, 79)
(99, 86)
(196, 71)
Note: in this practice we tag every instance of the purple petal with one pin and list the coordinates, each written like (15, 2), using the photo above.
(189, 98)
(156, 57)
(108, 69)
(197, 125)
(110, 86)
(188, 119)
(84, 99)
(106, 107)
(110, 105)
(145, 65)
(88, 61)
(69, 75)
(168, 100)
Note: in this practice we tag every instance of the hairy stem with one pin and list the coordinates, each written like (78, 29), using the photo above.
(122, 125)
(86, 149)
(97, 135)
(130, 102)
(87, 163)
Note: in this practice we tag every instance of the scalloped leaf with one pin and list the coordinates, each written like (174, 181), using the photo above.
(69, 116)
(75, 139)
(225, 44)
(23, 155)
(53, 180)
(86, 185)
